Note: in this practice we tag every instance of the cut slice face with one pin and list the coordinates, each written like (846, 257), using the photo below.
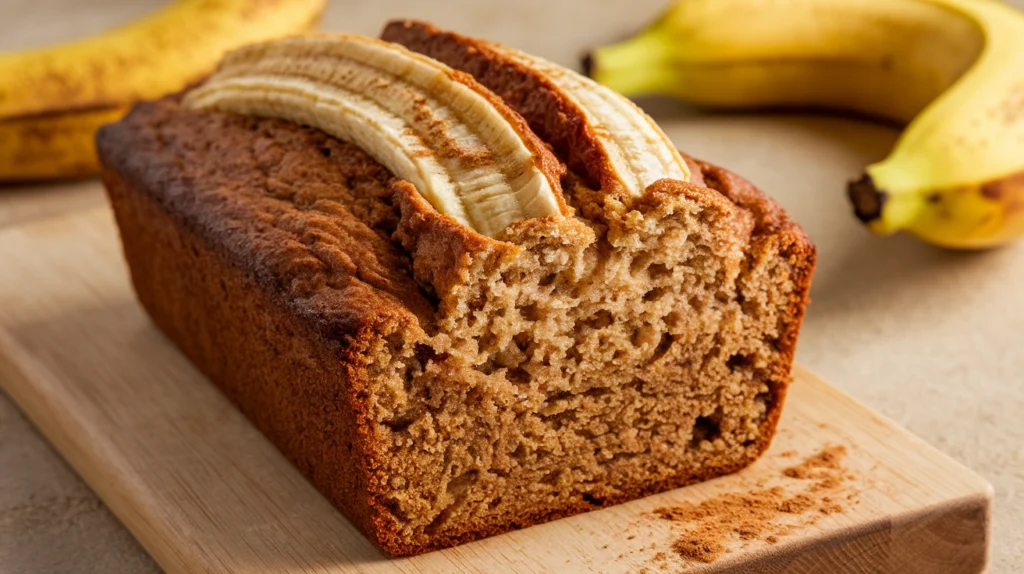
(601, 134)
(469, 155)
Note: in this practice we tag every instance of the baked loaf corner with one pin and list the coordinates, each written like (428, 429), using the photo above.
(439, 386)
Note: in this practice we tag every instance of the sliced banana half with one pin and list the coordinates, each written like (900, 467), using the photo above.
(597, 130)
(470, 156)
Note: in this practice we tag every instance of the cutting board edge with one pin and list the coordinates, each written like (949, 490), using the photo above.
(794, 556)
(18, 365)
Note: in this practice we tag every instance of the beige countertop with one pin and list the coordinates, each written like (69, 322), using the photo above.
(932, 339)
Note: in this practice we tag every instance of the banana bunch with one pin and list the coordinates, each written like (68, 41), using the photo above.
(953, 70)
(53, 99)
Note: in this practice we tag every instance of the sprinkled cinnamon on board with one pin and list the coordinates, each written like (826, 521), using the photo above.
(818, 466)
(797, 505)
(828, 483)
(699, 550)
(765, 514)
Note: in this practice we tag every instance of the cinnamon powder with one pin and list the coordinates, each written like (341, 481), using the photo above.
(710, 525)
(821, 465)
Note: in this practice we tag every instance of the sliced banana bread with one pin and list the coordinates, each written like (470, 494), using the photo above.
(439, 385)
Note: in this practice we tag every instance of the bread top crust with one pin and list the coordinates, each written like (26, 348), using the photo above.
(332, 233)
(308, 216)
(429, 123)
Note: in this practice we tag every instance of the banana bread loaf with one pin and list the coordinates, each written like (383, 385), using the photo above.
(438, 385)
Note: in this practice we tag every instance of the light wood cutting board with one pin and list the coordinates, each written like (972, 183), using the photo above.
(204, 491)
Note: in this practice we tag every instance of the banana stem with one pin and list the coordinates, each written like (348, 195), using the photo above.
(884, 213)
(640, 65)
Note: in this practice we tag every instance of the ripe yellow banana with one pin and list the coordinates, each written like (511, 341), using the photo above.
(468, 155)
(953, 69)
(43, 145)
(72, 88)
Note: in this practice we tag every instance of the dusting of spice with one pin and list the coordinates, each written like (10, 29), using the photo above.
(699, 550)
(829, 483)
(798, 504)
(765, 514)
(821, 465)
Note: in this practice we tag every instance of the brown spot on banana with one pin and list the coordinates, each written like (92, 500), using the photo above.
(1013, 106)
(999, 189)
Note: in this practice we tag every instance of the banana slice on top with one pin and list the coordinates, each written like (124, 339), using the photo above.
(601, 134)
(464, 151)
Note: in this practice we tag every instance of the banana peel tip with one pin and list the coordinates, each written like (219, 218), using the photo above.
(587, 64)
(866, 198)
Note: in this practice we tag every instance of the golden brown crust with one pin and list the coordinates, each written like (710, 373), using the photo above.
(321, 245)
(282, 261)
(300, 383)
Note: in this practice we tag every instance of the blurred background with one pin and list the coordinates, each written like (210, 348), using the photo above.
(930, 338)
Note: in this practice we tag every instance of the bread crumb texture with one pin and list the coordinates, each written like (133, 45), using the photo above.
(437, 385)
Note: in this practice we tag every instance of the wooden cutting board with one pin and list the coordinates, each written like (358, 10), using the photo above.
(841, 490)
